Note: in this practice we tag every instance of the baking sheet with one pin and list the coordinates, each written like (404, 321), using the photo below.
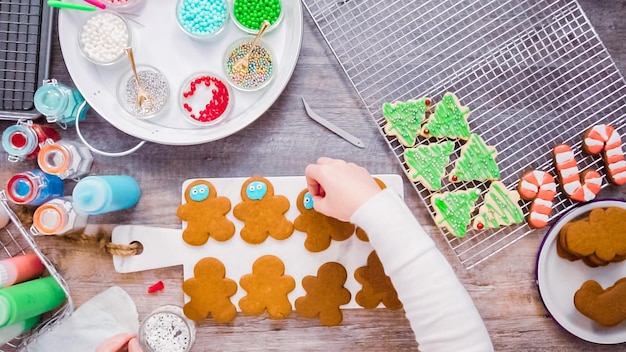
(558, 280)
(165, 247)
(159, 42)
(534, 74)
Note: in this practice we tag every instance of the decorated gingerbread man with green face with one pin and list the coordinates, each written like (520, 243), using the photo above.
(205, 214)
(210, 292)
(262, 212)
(267, 288)
(319, 228)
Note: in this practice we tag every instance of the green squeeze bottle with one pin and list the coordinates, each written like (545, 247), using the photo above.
(28, 299)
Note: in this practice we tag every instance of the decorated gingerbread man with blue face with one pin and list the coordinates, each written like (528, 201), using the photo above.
(205, 214)
(319, 228)
(262, 212)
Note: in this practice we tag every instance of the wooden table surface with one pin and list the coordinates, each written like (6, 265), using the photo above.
(282, 142)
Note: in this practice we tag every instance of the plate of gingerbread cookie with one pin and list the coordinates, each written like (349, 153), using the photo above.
(581, 271)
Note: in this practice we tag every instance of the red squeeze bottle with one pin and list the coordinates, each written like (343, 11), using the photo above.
(20, 268)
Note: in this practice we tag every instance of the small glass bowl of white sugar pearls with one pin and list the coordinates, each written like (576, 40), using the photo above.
(103, 38)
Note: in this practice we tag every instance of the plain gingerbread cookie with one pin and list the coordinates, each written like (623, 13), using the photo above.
(377, 286)
(262, 212)
(267, 288)
(605, 307)
(325, 294)
(210, 292)
(205, 214)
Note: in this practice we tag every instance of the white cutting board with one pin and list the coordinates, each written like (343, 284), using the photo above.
(164, 247)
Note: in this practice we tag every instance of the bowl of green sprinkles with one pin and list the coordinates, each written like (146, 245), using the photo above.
(261, 65)
(248, 15)
(202, 19)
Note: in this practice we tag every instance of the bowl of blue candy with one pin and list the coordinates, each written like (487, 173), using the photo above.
(202, 19)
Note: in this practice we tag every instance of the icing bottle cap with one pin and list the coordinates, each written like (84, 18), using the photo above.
(20, 189)
(19, 140)
(49, 218)
(90, 196)
(54, 158)
(5, 311)
(4, 276)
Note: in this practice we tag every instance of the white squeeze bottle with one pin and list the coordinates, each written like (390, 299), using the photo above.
(103, 194)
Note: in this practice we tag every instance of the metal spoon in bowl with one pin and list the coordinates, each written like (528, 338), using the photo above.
(241, 65)
(142, 95)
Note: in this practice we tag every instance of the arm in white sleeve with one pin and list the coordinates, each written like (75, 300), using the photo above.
(441, 312)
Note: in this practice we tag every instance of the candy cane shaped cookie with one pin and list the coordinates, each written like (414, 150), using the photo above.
(540, 188)
(569, 176)
(604, 138)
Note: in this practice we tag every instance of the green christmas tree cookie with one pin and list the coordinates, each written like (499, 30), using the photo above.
(501, 208)
(454, 210)
(449, 120)
(476, 163)
(404, 119)
(427, 163)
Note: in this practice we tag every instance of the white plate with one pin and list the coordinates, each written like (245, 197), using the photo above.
(558, 280)
(159, 42)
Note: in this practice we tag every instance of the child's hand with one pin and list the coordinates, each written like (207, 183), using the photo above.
(339, 188)
(120, 342)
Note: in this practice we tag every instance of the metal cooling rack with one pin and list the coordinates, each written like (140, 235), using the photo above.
(15, 240)
(25, 34)
(533, 72)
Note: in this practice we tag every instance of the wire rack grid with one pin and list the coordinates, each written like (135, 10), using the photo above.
(25, 34)
(16, 240)
(534, 74)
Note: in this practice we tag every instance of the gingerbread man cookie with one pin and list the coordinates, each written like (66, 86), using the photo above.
(262, 212)
(605, 307)
(325, 294)
(210, 292)
(267, 288)
(319, 228)
(377, 286)
(205, 214)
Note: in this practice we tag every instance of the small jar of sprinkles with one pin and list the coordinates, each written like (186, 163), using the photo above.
(153, 82)
(123, 5)
(261, 65)
(201, 19)
(103, 38)
(248, 15)
(167, 329)
(205, 99)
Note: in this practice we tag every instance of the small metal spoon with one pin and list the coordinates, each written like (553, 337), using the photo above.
(241, 65)
(142, 95)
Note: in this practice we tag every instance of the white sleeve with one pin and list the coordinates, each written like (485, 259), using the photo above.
(439, 309)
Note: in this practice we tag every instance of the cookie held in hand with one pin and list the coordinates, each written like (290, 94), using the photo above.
(205, 213)
(267, 288)
(210, 292)
(325, 294)
(262, 212)
(320, 229)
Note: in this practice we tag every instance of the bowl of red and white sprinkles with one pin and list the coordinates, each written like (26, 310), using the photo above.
(205, 99)
(103, 38)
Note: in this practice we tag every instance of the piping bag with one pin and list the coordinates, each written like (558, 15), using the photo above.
(107, 314)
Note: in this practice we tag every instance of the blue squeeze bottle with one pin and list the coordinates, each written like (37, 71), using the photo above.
(103, 194)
